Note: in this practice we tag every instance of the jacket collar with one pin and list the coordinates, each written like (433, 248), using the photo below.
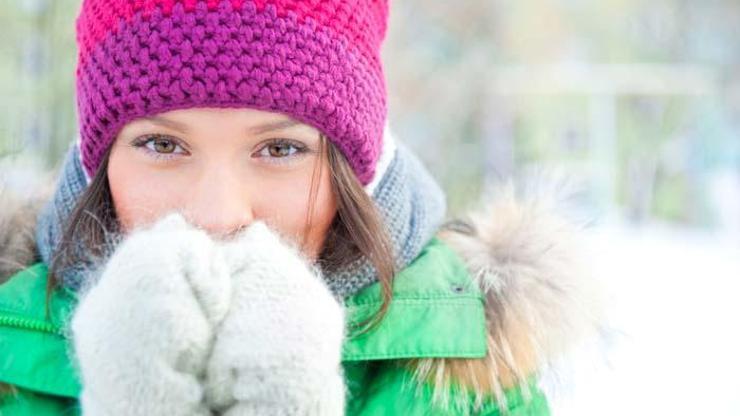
(33, 348)
(436, 311)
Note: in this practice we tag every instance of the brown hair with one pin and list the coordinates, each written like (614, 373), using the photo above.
(356, 231)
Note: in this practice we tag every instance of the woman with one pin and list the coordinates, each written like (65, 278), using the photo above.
(237, 233)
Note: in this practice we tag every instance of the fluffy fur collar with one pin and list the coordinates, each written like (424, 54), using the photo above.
(17, 227)
(540, 297)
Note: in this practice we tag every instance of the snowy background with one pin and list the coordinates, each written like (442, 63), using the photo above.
(673, 306)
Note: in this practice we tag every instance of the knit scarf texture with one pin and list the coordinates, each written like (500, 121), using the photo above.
(411, 204)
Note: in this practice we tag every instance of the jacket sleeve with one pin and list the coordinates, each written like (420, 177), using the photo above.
(22, 402)
(394, 391)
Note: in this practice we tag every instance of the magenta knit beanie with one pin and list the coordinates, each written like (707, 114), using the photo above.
(317, 61)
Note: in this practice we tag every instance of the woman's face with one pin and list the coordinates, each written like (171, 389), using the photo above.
(223, 169)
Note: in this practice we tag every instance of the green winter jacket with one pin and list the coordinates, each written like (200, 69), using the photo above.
(437, 311)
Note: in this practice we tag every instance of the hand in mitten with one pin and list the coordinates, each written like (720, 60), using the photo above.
(278, 350)
(143, 331)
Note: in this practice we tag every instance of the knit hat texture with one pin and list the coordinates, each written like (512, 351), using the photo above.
(317, 61)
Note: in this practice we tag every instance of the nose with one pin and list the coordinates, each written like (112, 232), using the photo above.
(219, 204)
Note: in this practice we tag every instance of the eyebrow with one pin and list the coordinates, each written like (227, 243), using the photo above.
(259, 129)
(175, 125)
(275, 125)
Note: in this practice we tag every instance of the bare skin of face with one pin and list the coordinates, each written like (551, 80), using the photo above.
(223, 169)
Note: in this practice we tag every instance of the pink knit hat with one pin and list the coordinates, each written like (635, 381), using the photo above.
(317, 61)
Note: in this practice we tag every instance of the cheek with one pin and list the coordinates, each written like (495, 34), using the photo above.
(139, 197)
(286, 206)
(324, 211)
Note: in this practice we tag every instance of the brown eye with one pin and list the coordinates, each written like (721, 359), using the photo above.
(164, 146)
(279, 150)
(160, 146)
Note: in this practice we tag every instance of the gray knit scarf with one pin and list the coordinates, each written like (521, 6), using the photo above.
(409, 200)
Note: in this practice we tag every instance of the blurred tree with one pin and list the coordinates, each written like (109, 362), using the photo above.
(442, 57)
(37, 77)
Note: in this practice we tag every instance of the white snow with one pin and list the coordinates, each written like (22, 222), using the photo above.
(674, 305)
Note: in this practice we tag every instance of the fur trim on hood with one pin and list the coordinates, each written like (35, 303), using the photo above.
(530, 265)
(17, 230)
(541, 299)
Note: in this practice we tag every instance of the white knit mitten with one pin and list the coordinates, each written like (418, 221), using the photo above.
(278, 351)
(142, 334)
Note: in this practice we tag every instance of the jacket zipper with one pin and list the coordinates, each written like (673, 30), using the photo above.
(30, 324)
